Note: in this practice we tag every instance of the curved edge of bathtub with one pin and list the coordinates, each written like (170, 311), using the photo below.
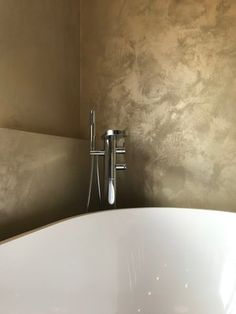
(120, 210)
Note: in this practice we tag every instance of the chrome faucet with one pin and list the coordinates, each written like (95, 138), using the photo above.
(110, 152)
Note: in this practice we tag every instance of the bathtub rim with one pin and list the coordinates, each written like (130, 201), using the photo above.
(112, 211)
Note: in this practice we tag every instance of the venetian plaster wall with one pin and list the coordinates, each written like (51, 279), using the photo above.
(39, 66)
(166, 71)
(43, 178)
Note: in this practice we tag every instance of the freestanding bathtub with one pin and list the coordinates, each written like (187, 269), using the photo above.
(147, 260)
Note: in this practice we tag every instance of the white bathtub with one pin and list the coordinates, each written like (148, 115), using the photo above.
(148, 260)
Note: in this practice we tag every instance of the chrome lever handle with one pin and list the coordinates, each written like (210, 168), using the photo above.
(121, 150)
(97, 153)
(121, 166)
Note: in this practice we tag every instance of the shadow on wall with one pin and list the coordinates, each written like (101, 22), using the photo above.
(133, 184)
(43, 178)
(39, 78)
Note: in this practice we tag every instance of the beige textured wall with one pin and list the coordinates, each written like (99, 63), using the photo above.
(166, 70)
(43, 178)
(39, 66)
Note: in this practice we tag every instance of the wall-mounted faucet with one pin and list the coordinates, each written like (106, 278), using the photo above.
(110, 152)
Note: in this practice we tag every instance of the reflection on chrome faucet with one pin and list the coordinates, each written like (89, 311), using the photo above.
(110, 152)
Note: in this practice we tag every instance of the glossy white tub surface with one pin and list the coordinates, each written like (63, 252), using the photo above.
(147, 260)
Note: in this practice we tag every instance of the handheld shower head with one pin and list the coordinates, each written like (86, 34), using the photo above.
(92, 129)
(94, 159)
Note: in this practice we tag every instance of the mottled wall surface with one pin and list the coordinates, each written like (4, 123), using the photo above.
(43, 178)
(166, 71)
(39, 66)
